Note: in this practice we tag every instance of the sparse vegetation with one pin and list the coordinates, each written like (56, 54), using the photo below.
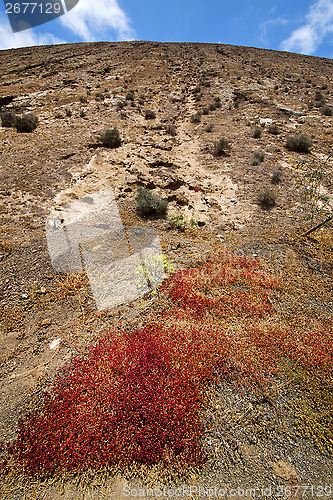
(171, 130)
(257, 132)
(276, 176)
(130, 96)
(149, 203)
(326, 111)
(310, 176)
(209, 128)
(110, 138)
(196, 118)
(267, 198)
(149, 114)
(258, 158)
(299, 143)
(83, 99)
(182, 222)
(26, 123)
(99, 96)
(273, 129)
(68, 112)
(221, 147)
(8, 119)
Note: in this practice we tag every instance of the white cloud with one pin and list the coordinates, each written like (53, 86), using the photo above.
(26, 38)
(91, 19)
(318, 23)
(266, 26)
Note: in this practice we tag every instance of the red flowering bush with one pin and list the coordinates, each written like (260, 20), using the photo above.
(123, 403)
(138, 397)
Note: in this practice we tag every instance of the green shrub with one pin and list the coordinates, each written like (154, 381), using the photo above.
(82, 113)
(276, 176)
(299, 143)
(212, 106)
(68, 112)
(99, 96)
(267, 198)
(110, 138)
(171, 130)
(182, 222)
(8, 119)
(258, 158)
(148, 203)
(82, 98)
(149, 114)
(205, 111)
(326, 111)
(130, 96)
(196, 117)
(273, 129)
(221, 147)
(257, 132)
(26, 123)
(209, 128)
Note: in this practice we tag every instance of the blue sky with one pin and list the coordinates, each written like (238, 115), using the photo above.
(304, 26)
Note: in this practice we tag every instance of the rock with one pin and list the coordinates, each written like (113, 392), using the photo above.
(285, 470)
(46, 322)
(182, 199)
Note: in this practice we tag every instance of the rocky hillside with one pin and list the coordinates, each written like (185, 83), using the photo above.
(233, 137)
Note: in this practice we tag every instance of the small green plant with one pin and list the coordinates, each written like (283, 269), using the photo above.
(152, 271)
(209, 128)
(326, 111)
(182, 222)
(276, 176)
(196, 117)
(130, 96)
(171, 130)
(267, 198)
(273, 129)
(110, 138)
(221, 147)
(310, 176)
(149, 203)
(212, 106)
(149, 114)
(99, 96)
(82, 98)
(82, 113)
(299, 143)
(8, 119)
(257, 133)
(258, 158)
(26, 123)
(68, 112)
(205, 111)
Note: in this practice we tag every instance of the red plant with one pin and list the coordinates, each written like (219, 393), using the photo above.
(123, 403)
(137, 397)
